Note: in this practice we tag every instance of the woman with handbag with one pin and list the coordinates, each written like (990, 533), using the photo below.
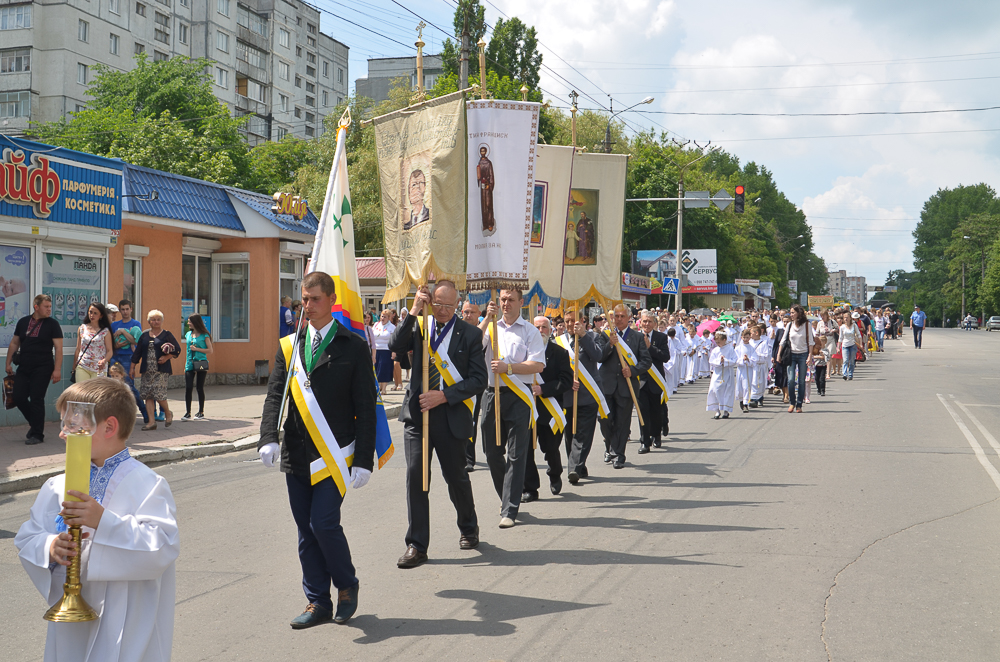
(848, 345)
(93, 345)
(151, 366)
(199, 346)
(796, 343)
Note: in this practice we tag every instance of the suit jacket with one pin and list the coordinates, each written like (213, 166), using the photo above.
(612, 379)
(344, 385)
(465, 347)
(590, 356)
(659, 353)
(558, 378)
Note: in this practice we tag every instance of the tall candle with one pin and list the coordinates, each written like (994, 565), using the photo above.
(77, 465)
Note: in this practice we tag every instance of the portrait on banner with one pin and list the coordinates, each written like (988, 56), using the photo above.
(581, 227)
(538, 213)
(486, 182)
(414, 174)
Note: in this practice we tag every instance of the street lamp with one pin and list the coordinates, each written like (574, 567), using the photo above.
(607, 132)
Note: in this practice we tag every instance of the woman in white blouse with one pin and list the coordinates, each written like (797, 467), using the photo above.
(848, 343)
(382, 329)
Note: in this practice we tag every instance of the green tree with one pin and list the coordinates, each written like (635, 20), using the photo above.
(274, 164)
(513, 51)
(475, 14)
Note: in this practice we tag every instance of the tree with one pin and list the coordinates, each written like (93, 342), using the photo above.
(275, 164)
(513, 51)
(475, 13)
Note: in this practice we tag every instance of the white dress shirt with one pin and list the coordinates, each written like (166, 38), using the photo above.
(518, 342)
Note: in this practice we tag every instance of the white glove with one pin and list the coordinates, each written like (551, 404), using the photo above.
(359, 477)
(268, 453)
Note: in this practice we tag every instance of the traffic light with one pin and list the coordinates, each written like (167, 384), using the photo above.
(738, 201)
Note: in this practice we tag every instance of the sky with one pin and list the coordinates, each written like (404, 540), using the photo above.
(861, 171)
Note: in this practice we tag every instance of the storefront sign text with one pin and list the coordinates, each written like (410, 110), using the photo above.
(293, 205)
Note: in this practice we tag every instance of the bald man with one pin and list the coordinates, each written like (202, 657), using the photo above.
(470, 315)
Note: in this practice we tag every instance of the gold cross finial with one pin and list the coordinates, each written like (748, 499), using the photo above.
(420, 30)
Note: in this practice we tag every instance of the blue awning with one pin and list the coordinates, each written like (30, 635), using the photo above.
(262, 205)
(727, 288)
(180, 198)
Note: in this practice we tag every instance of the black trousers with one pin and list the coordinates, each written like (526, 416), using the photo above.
(190, 377)
(548, 443)
(665, 419)
(821, 379)
(618, 425)
(578, 446)
(30, 385)
(507, 461)
(450, 452)
(649, 406)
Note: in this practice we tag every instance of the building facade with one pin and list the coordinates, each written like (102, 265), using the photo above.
(269, 59)
(384, 71)
(853, 289)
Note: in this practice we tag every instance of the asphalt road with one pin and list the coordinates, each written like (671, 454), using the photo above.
(863, 529)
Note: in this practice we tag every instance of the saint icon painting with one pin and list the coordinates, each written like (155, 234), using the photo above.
(581, 227)
(486, 182)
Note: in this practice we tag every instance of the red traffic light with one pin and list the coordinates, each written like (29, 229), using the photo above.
(739, 190)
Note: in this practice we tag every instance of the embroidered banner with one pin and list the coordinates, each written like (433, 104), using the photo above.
(553, 178)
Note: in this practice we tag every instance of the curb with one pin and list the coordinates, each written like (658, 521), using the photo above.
(35, 478)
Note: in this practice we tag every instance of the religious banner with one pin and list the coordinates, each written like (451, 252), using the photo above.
(593, 246)
(421, 163)
(502, 137)
(553, 178)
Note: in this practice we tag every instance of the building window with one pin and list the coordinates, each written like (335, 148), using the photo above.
(326, 69)
(140, 9)
(165, 3)
(160, 57)
(310, 118)
(311, 101)
(221, 77)
(84, 275)
(311, 41)
(309, 132)
(115, 6)
(182, 33)
(15, 104)
(15, 18)
(284, 103)
(184, 3)
(15, 60)
(234, 300)
(83, 30)
(139, 48)
(282, 132)
(283, 70)
(251, 89)
(340, 100)
(340, 75)
(160, 33)
(283, 37)
(310, 71)
(222, 41)
(310, 88)
(79, 108)
(326, 98)
(298, 113)
(298, 82)
(298, 51)
(311, 28)
(81, 73)
(311, 58)
(258, 126)
(114, 44)
(250, 55)
(251, 21)
(298, 21)
(223, 7)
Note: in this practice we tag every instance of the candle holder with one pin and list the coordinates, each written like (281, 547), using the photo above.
(78, 425)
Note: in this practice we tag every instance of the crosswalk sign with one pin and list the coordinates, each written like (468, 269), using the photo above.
(670, 286)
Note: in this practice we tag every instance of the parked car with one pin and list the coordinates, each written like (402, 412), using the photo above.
(993, 323)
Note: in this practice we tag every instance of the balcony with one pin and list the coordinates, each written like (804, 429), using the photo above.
(249, 71)
(250, 106)
(252, 38)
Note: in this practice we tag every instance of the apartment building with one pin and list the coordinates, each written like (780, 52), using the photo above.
(269, 58)
(384, 71)
(849, 288)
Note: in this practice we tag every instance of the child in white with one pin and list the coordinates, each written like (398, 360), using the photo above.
(761, 363)
(745, 363)
(127, 560)
(670, 368)
(704, 349)
(692, 355)
(722, 390)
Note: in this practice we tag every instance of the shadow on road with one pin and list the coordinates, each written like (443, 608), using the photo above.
(491, 555)
(635, 525)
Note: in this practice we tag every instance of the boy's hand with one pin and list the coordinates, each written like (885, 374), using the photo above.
(86, 513)
(63, 548)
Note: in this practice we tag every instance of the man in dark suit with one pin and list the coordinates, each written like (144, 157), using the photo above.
(336, 373)
(556, 379)
(470, 315)
(578, 445)
(614, 373)
(651, 395)
(460, 350)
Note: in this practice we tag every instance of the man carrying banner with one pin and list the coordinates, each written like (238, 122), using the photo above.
(456, 375)
(615, 376)
(470, 315)
(329, 441)
(590, 397)
(653, 392)
(555, 380)
(521, 355)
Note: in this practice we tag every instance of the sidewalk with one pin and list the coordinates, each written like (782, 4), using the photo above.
(232, 423)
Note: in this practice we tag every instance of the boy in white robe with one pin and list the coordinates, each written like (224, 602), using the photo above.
(761, 361)
(704, 349)
(722, 390)
(672, 366)
(745, 363)
(692, 354)
(131, 543)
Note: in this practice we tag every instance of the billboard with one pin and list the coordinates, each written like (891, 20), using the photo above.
(793, 286)
(820, 300)
(699, 266)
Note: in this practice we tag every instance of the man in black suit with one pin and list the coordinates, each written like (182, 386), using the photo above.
(470, 315)
(335, 372)
(556, 379)
(651, 395)
(614, 373)
(460, 352)
(578, 445)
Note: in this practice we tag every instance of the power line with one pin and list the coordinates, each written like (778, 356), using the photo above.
(855, 135)
(827, 85)
(862, 113)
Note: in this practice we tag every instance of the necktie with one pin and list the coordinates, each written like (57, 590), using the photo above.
(317, 339)
(433, 376)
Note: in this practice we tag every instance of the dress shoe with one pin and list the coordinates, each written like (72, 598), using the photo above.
(643, 449)
(32, 440)
(411, 558)
(657, 443)
(528, 497)
(470, 468)
(506, 523)
(607, 457)
(619, 463)
(555, 486)
(583, 472)
(573, 478)
(469, 540)
(313, 615)
(718, 415)
(347, 603)
(725, 414)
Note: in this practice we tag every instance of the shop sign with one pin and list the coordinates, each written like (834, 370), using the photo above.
(748, 282)
(635, 283)
(292, 205)
(820, 300)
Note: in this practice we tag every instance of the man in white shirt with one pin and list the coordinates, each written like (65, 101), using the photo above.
(521, 354)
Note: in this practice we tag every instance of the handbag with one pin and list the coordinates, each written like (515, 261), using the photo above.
(201, 365)
(72, 374)
(785, 351)
(8, 392)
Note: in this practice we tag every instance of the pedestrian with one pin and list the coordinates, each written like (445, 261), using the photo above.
(117, 371)
(37, 343)
(590, 397)
(848, 344)
(333, 381)
(745, 364)
(112, 313)
(917, 321)
(650, 394)
(722, 390)
(199, 346)
(93, 345)
(125, 334)
(471, 315)
(151, 366)
(780, 373)
(456, 374)
(521, 355)
(616, 374)
(385, 367)
(286, 318)
(131, 547)
(799, 339)
(820, 355)
(296, 313)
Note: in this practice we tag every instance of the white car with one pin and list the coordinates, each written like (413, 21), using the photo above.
(993, 323)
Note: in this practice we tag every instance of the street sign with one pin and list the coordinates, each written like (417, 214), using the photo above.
(748, 282)
(722, 199)
(670, 286)
(696, 199)
(890, 288)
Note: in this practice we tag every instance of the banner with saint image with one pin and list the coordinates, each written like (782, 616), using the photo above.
(553, 179)
(421, 163)
(502, 138)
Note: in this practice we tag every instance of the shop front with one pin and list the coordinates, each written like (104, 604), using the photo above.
(635, 289)
(60, 215)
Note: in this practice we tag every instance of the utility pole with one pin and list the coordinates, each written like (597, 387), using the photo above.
(678, 298)
(463, 62)
(963, 293)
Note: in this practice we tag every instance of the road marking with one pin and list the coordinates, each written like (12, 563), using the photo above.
(982, 429)
(976, 448)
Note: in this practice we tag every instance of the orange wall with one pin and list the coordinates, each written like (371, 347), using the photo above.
(238, 357)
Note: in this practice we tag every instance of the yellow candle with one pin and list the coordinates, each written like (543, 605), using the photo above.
(77, 465)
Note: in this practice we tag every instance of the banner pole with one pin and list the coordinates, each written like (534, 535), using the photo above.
(534, 425)
(576, 364)
(424, 388)
(496, 378)
(621, 358)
